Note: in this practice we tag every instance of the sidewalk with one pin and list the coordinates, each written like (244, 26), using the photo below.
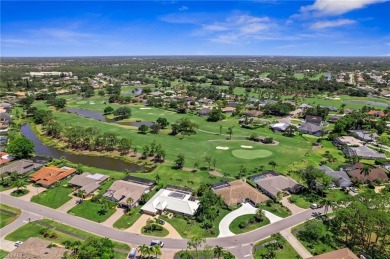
(114, 217)
(68, 205)
(294, 242)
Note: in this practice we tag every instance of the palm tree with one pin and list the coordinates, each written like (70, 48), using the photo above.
(129, 202)
(260, 215)
(273, 164)
(81, 193)
(20, 184)
(365, 170)
(195, 242)
(144, 250)
(156, 249)
(326, 204)
(218, 251)
(230, 132)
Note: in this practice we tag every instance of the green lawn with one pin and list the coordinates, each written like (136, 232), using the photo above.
(234, 226)
(276, 208)
(300, 201)
(3, 254)
(6, 218)
(162, 233)
(188, 228)
(288, 252)
(194, 147)
(92, 211)
(32, 230)
(127, 220)
(336, 195)
(53, 197)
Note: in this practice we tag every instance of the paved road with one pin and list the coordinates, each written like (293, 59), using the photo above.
(232, 243)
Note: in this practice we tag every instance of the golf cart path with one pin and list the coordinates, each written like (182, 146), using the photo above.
(245, 209)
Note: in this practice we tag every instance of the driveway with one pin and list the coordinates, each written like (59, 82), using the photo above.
(141, 222)
(68, 205)
(32, 192)
(111, 220)
(291, 206)
(245, 209)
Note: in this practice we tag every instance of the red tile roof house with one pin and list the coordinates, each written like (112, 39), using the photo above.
(5, 158)
(376, 113)
(355, 171)
(48, 175)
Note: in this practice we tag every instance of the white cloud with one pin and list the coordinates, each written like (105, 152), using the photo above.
(336, 7)
(331, 24)
(183, 8)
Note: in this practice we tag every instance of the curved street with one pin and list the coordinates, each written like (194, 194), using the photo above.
(232, 243)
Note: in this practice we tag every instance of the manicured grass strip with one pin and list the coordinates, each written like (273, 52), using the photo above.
(286, 252)
(162, 233)
(63, 232)
(188, 227)
(234, 226)
(3, 254)
(92, 211)
(53, 197)
(251, 154)
(277, 209)
(7, 215)
(127, 220)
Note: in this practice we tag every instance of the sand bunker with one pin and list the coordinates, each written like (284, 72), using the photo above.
(91, 103)
(145, 108)
(246, 146)
(222, 148)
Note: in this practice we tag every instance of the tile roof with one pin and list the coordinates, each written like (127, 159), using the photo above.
(343, 253)
(237, 191)
(375, 173)
(48, 175)
(88, 182)
(36, 248)
(22, 166)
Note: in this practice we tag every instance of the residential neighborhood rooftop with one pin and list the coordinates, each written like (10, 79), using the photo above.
(49, 175)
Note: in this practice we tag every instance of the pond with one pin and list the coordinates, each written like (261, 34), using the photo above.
(367, 103)
(100, 117)
(93, 161)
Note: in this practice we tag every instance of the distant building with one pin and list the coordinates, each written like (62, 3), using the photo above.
(340, 177)
(22, 167)
(363, 152)
(375, 113)
(355, 171)
(364, 135)
(88, 182)
(347, 141)
(46, 73)
(279, 127)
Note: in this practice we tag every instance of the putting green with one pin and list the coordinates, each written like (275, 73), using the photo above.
(251, 154)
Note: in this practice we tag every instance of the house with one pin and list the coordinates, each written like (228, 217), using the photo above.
(311, 129)
(279, 127)
(347, 141)
(252, 113)
(364, 135)
(236, 192)
(130, 187)
(316, 120)
(205, 101)
(204, 111)
(36, 248)
(305, 106)
(5, 158)
(340, 177)
(375, 113)
(48, 175)
(172, 198)
(228, 110)
(87, 182)
(22, 167)
(335, 118)
(271, 183)
(343, 253)
(296, 113)
(330, 108)
(363, 152)
(376, 173)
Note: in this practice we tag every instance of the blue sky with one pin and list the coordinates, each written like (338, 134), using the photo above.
(261, 27)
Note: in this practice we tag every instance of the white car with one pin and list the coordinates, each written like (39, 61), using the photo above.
(314, 206)
(18, 243)
(353, 189)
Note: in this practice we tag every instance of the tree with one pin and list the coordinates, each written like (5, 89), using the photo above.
(218, 251)
(273, 164)
(156, 249)
(162, 122)
(208, 160)
(41, 116)
(123, 112)
(259, 216)
(21, 147)
(155, 128)
(20, 185)
(129, 202)
(95, 247)
(124, 145)
(157, 178)
(195, 242)
(214, 163)
(80, 193)
(230, 132)
(59, 103)
(365, 170)
(216, 114)
(179, 162)
(143, 129)
(290, 131)
(144, 250)
(108, 110)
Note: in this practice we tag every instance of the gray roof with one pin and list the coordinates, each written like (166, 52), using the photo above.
(275, 184)
(364, 152)
(340, 176)
(310, 127)
(88, 182)
(364, 135)
(313, 120)
(36, 248)
(121, 190)
(22, 166)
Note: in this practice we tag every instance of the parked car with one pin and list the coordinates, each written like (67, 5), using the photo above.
(133, 252)
(314, 206)
(353, 189)
(18, 243)
(157, 242)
